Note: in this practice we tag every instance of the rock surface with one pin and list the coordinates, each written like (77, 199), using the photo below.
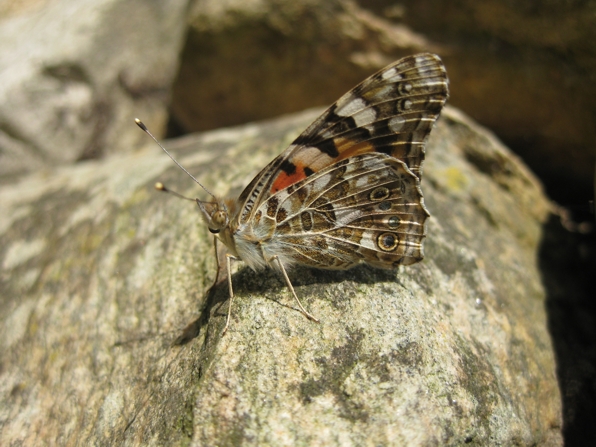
(100, 274)
(249, 60)
(74, 73)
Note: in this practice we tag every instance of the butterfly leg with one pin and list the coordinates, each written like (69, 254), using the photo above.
(289, 284)
(229, 267)
(217, 264)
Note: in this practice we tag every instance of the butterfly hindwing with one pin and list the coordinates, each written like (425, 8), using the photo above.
(366, 208)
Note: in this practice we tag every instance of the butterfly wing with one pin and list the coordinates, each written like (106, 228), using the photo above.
(367, 208)
(392, 112)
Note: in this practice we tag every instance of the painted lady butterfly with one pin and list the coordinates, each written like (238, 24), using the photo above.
(347, 190)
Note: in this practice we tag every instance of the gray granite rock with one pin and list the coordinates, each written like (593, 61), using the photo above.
(101, 274)
(73, 73)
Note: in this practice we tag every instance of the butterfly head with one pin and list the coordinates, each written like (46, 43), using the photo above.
(215, 214)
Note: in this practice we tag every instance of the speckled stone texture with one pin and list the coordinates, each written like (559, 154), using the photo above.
(100, 274)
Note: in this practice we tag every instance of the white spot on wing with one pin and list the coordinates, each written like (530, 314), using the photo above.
(351, 107)
(281, 195)
(367, 242)
(390, 74)
(365, 117)
(395, 79)
(425, 64)
(313, 158)
(384, 92)
(363, 181)
(396, 123)
(421, 59)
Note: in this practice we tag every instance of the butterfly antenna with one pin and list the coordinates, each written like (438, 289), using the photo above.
(163, 188)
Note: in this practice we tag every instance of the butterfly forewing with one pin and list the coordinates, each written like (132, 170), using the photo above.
(391, 112)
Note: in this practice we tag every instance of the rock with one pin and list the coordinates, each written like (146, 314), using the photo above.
(100, 274)
(73, 74)
(525, 71)
(249, 60)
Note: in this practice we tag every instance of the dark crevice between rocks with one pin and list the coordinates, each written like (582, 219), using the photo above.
(568, 266)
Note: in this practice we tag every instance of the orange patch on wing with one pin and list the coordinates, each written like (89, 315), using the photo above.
(284, 180)
(347, 148)
(350, 148)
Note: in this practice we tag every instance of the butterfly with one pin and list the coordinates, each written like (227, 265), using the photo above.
(347, 190)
